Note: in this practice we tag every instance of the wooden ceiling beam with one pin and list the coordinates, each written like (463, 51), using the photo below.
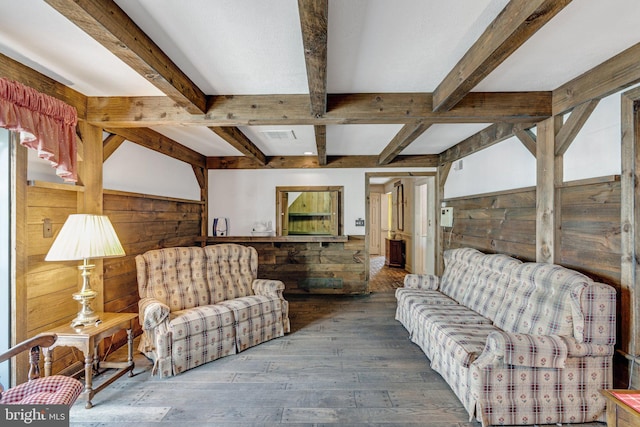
(382, 108)
(240, 142)
(156, 141)
(110, 144)
(572, 126)
(111, 27)
(517, 22)
(321, 143)
(406, 136)
(309, 162)
(613, 75)
(313, 22)
(481, 140)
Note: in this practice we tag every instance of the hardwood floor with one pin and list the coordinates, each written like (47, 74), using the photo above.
(383, 278)
(347, 362)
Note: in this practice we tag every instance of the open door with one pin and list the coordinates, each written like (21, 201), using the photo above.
(424, 226)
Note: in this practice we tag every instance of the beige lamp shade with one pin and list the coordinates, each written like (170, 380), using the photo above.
(85, 236)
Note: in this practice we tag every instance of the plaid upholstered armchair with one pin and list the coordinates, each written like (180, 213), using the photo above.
(53, 390)
(200, 304)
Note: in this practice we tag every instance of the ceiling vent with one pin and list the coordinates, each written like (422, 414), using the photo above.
(279, 135)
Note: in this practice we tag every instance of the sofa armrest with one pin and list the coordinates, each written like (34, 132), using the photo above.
(422, 281)
(539, 351)
(268, 287)
(152, 313)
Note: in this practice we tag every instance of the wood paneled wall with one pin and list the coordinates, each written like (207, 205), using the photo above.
(501, 222)
(143, 223)
(590, 228)
(49, 285)
(505, 222)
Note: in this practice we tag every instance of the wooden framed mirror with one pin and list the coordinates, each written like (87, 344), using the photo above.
(309, 210)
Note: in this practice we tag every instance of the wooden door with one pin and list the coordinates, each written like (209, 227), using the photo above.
(374, 225)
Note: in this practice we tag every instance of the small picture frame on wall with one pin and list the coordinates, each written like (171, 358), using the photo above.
(399, 205)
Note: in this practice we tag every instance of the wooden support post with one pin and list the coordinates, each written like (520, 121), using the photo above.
(443, 173)
(545, 194)
(91, 200)
(202, 176)
(630, 226)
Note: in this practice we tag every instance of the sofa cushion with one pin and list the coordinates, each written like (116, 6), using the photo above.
(463, 343)
(173, 276)
(258, 318)
(201, 334)
(426, 314)
(459, 270)
(408, 298)
(230, 271)
(543, 299)
(491, 278)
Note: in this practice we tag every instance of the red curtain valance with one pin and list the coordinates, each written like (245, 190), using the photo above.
(47, 125)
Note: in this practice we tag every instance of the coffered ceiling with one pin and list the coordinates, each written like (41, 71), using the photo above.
(383, 82)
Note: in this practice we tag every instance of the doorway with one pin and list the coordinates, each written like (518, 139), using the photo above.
(406, 233)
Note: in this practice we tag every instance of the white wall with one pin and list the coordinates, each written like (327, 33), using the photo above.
(596, 149)
(507, 165)
(140, 170)
(502, 166)
(135, 169)
(249, 196)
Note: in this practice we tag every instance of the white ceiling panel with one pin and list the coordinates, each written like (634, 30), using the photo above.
(400, 46)
(440, 137)
(33, 33)
(366, 140)
(200, 139)
(583, 35)
(228, 46)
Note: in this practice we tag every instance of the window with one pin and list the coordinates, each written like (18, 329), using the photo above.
(5, 244)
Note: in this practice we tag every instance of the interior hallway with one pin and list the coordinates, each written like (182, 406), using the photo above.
(383, 278)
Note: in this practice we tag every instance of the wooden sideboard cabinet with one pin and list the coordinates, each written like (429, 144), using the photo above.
(394, 253)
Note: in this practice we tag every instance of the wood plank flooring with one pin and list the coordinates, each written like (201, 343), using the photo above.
(347, 362)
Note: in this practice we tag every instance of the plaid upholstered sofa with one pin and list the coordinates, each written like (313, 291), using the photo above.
(200, 304)
(518, 343)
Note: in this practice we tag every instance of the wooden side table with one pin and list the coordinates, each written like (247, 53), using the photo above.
(623, 407)
(86, 339)
(394, 252)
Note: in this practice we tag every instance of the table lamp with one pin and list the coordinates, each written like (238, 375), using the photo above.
(83, 237)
